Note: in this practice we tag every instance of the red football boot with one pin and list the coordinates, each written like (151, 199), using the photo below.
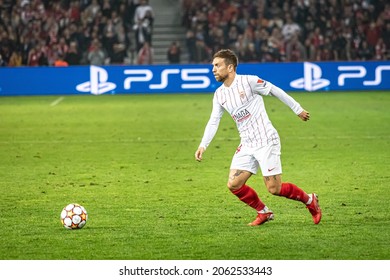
(314, 209)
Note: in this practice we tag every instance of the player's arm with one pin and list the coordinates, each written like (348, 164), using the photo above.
(290, 102)
(210, 130)
(267, 88)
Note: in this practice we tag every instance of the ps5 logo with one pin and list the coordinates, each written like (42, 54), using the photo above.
(98, 82)
(358, 71)
(311, 80)
(192, 78)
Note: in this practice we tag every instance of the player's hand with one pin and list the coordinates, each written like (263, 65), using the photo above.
(305, 116)
(199, 152)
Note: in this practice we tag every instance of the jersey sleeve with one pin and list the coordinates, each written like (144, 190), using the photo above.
(286, 99)
(259, 85)
(264, 87)
(212, 124)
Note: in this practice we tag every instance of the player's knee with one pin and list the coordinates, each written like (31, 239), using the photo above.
(233, 185)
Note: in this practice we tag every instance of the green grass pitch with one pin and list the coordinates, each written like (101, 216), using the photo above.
(129, 159)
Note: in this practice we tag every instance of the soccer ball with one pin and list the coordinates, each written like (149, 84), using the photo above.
(74, 216)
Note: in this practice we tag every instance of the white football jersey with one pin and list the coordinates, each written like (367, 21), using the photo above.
(244, 102)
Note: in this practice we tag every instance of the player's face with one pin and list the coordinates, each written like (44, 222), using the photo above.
(220, 69)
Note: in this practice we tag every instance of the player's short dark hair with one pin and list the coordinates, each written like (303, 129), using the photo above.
(229, 56)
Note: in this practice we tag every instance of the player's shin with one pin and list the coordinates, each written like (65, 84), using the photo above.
(249, 196)
(291, 191)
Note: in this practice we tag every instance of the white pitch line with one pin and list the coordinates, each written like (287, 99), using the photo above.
(57, 101)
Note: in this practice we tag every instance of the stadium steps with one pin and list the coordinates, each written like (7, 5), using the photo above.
(167, 29)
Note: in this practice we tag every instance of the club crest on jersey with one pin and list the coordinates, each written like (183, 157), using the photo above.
(241, 116)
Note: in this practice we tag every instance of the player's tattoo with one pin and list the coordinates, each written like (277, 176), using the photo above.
(236, 174)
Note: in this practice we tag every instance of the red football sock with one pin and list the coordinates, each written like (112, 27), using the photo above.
(249, 196)
(291, 191)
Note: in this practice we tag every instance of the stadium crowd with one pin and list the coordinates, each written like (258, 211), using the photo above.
(288, 30)
(74, 32)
